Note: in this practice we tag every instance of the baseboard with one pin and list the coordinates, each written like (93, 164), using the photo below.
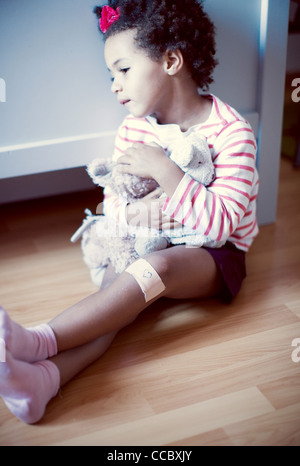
(47, 168)
(56, 154)
(24, 188)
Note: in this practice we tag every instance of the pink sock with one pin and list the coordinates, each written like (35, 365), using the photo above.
(27, 344)
(27, 388)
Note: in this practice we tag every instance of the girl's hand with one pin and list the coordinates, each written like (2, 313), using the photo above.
(144, 160)
(148, 213)
(150, 161)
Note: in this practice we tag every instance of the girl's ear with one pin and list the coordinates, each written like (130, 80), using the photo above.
(173, 62)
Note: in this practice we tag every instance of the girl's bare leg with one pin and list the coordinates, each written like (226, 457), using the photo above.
(73, 361)
(86, 330)
(186, 273)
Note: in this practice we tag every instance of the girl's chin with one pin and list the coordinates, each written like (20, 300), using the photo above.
(135, 111)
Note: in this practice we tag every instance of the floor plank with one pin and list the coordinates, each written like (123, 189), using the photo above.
(186, 372)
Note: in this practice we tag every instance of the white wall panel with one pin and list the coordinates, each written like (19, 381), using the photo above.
(59, 112)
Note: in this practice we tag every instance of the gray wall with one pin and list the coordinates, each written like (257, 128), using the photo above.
(59, 112)
(51, 57)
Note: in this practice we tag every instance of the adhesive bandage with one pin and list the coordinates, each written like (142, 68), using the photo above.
(2, 350)
(148, 279)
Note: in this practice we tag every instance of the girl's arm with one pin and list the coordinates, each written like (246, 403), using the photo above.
(229, 202)
(151, 161)
(215, 211)
(138, 133)
(114, 206)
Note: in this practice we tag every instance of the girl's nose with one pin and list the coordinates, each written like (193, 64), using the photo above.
(115, 87)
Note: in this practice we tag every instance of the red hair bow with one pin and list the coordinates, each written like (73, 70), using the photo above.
(108, 17)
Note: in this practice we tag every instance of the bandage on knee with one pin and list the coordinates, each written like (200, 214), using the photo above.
(148, 279)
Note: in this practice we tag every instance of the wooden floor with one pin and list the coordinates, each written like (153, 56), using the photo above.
(185, 373)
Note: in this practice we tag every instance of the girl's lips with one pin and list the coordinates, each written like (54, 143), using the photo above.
(124, 102)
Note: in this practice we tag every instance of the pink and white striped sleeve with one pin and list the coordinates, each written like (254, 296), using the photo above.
(131, 130)
(228, 204)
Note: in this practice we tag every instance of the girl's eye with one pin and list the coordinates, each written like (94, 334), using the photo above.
(123, 71)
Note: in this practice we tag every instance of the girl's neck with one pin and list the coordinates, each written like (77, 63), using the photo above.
(185, 107)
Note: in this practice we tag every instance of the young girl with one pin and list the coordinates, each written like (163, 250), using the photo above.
(160, 54)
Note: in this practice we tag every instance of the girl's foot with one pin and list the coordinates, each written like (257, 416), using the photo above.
(27, 388)
(27, 344)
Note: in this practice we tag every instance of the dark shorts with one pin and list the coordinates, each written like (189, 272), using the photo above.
(231, 263)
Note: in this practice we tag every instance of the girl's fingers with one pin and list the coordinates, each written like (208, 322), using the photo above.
(124, 159)
(154, 194)
(170, 224)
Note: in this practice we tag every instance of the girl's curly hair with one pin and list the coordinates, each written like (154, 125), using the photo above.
(163, 25)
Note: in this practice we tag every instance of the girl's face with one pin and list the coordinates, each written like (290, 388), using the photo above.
(139, 82)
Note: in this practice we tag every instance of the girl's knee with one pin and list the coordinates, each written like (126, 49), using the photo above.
(167, 265)
(161, 263)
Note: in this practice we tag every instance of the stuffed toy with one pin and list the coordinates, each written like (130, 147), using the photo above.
(105, 241)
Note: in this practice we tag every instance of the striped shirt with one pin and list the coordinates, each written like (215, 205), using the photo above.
(226, 209)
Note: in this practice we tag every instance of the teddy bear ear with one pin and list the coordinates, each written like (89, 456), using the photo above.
(182, 153)
(103, 180)
(100, 171)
